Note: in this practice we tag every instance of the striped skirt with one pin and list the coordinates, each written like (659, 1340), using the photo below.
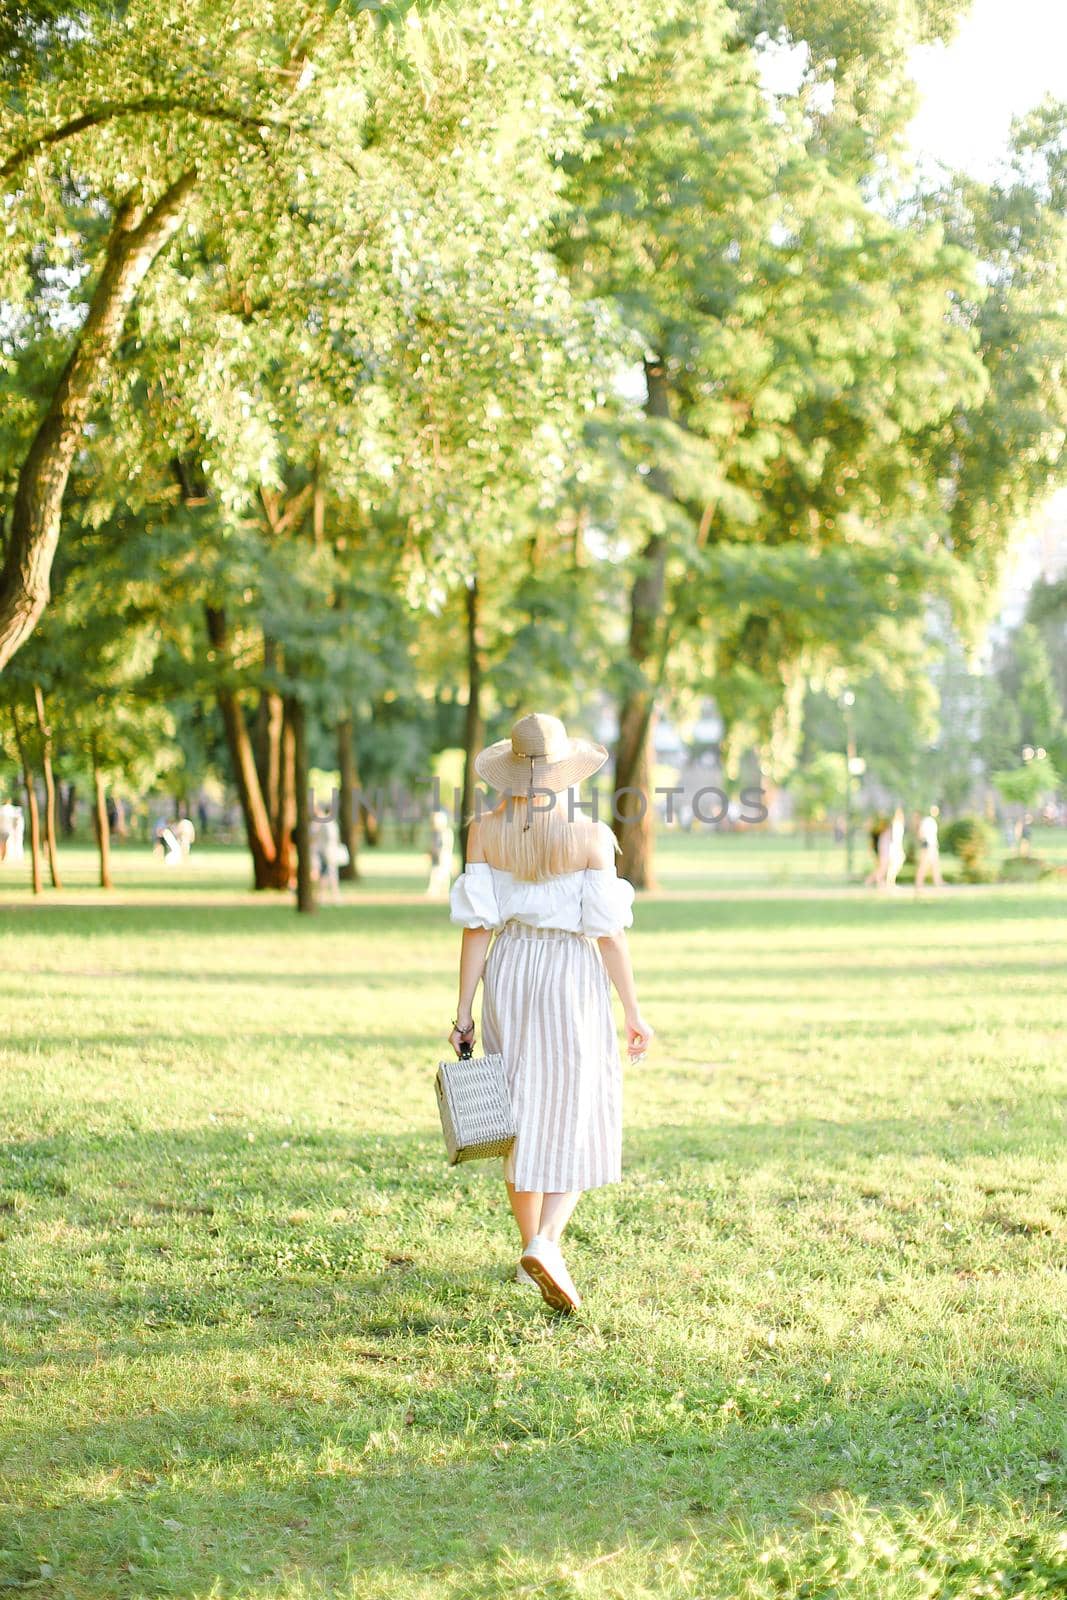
(547, 1010)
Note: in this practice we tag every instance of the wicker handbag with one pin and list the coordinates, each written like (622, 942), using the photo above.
(476, 1116)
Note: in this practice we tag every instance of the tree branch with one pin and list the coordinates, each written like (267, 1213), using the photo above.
(136, 241)
(164, 105)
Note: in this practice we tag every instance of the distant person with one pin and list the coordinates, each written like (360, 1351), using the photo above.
(8, 816)
(879, 837)
(326, 851)
(201, 815)
(1025, 831)
(10, 831)
(165, 843)
(185, 833)
(442, 846)
(896, 852)
(929, 864)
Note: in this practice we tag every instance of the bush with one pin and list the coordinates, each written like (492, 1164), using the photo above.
(1024, 869)
(972, 840)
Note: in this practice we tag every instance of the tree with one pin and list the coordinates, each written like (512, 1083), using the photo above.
(818, 787)
(1000, 459)
(85, 674)
(1026, 677)
(1047, 611)
(1023, 707)
(20, 749)
(797, 344)
(173, 109)
(894, 721)
(950, 764)
(383, 354)
(123, 740)
(1027, 784)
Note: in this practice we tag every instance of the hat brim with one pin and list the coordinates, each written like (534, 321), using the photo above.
(510, 774)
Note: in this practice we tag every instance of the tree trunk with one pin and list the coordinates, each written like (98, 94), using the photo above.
(288, 790)
(349, 817)
(635, 819)
(370, 825)
(102, 826)
(137, 238)
(271, 718)
(68, 807)
(473, 724)
(49, 786)
(296, 719)
(269, 871)
(268, 735)
(31, 804)
(635, 822)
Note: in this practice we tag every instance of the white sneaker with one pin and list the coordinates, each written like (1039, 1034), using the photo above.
(543, 1261)
(523, 1277)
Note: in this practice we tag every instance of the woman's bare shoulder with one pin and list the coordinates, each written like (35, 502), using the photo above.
(599, 843)
(475, 849)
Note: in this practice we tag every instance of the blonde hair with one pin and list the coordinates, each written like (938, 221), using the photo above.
(552, 844)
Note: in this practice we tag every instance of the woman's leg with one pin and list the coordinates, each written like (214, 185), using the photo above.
(556, 1212)
(526, 1209)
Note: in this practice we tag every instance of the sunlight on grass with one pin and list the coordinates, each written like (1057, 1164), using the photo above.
(259, 1341)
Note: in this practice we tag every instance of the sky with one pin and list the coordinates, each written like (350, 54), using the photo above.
(1006, 56)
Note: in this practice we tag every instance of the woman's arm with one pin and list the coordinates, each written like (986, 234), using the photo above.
(615, 950)
(472, 956)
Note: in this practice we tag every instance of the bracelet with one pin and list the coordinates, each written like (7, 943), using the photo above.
(468, 1029)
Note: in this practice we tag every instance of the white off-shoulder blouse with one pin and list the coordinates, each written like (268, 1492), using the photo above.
(593, 901)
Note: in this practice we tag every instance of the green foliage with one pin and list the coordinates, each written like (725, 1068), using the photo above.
(1026, 676)
(1047, 612)
(812, 360)
(894, 721)
(817, 787)
(972, 841)
(93, 657)
(1004, 455)
(1027, 784)
(424, 246)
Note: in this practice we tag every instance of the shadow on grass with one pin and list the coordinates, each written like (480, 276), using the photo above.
(332, 1495)
(460, 1427)
(199, 1173)
(684, 913)
(731, 967)
(211, 919)
(188, 1043)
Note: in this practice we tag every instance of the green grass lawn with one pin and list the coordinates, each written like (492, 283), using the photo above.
(259, 1341)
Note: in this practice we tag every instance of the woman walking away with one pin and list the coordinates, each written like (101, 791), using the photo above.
(541, 877)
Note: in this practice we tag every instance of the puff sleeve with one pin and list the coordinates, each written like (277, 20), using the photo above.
(607, 902)
(473, 901)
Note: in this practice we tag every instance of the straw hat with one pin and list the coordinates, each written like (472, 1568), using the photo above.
(539, 755)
